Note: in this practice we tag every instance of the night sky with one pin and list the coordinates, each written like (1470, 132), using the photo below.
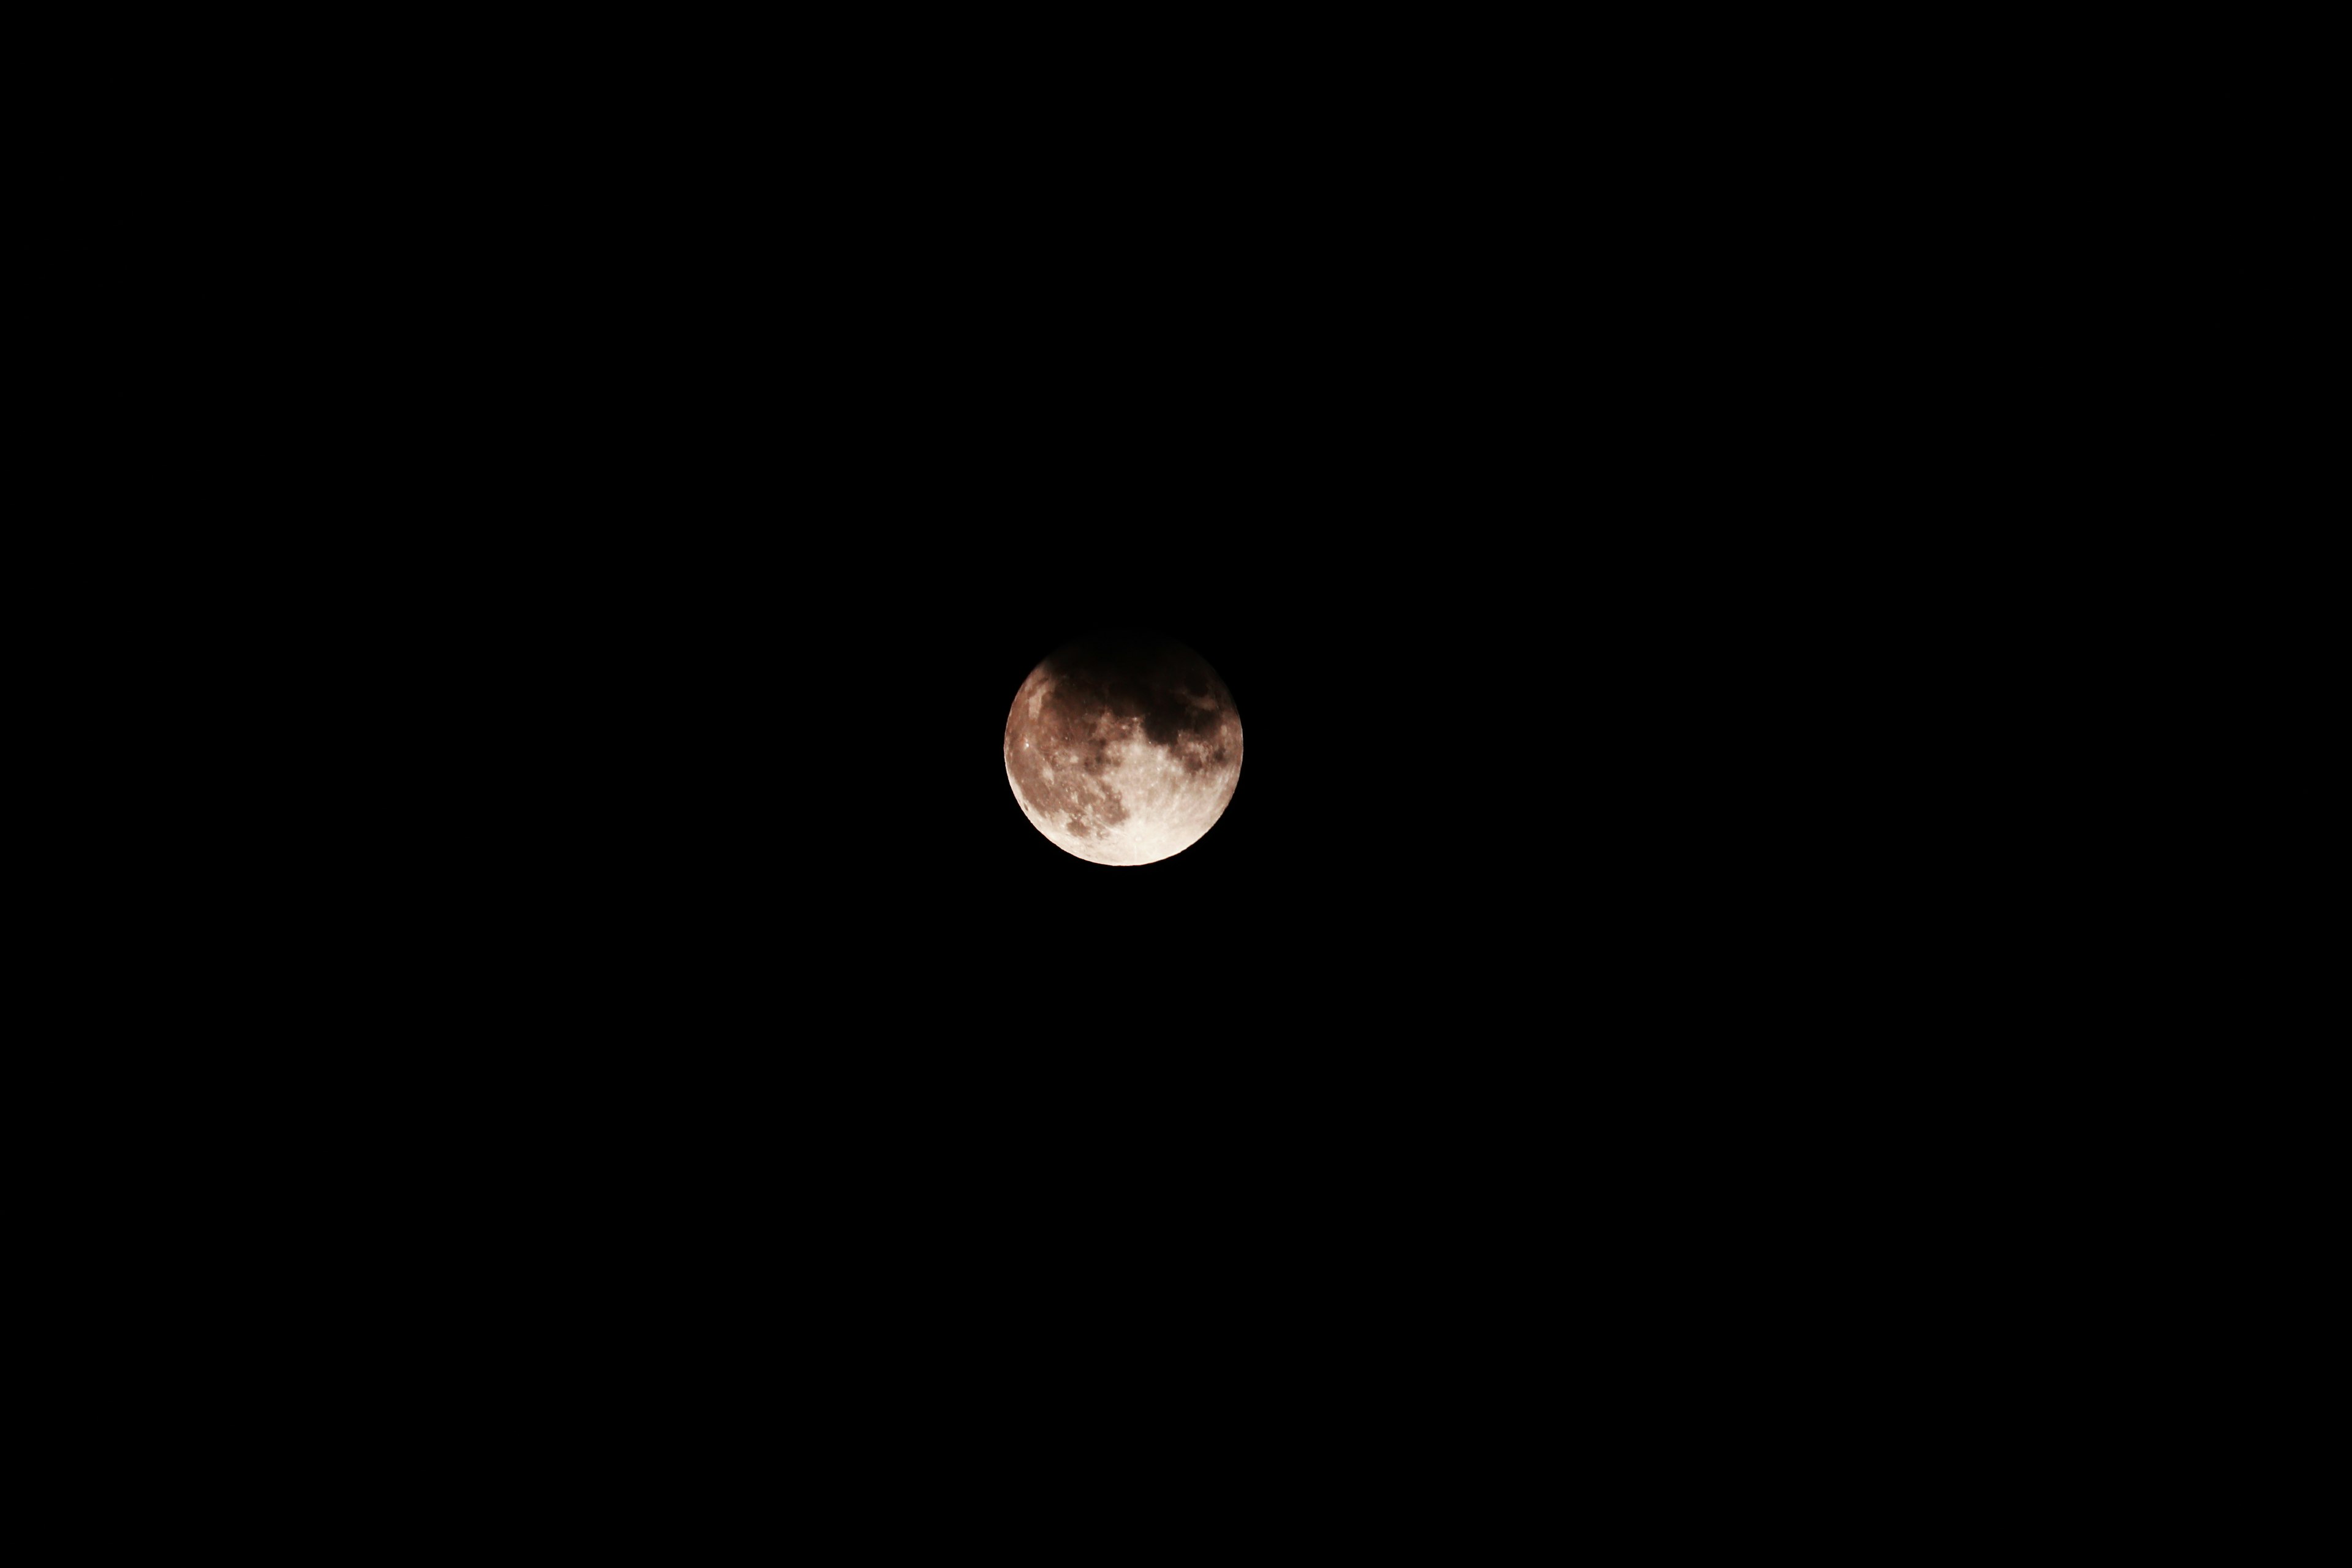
(726, 933)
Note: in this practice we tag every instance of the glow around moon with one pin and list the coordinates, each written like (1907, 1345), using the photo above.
(1123, 751)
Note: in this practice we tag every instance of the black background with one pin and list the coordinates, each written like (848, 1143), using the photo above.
(650, 1018)
(735, 491)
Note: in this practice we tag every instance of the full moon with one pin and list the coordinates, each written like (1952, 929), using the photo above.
(1123, 750)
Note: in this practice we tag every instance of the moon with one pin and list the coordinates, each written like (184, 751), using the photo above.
(1123, 750)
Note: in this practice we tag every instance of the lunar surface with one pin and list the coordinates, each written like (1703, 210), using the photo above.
(1123, 750)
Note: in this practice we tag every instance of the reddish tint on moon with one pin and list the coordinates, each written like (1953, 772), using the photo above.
(1123, 750)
